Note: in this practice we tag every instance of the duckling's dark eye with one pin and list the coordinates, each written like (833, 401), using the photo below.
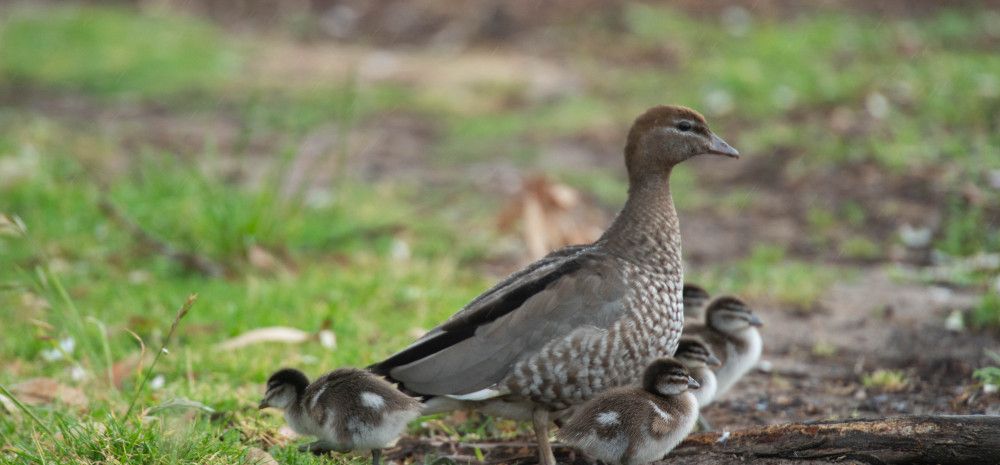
(684, 126)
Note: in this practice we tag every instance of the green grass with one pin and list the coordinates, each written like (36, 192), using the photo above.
(986, 314)
(964, 233)
(78, 272)
(885, 380)
(769, 273)
(111, 51)
(76, 275)
(941, 102)
(989, 374)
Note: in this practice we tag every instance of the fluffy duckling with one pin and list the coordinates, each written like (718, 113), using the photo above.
(730, 330)
(636, 425)
(346, 409)
(695, 297)
(695, 354)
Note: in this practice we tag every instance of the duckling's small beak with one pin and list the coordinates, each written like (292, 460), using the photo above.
(713, 361)
(263, 405)
(756, 321)
(718, 146)
(693, 383)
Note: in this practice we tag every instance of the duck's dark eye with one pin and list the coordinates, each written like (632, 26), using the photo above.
(684, 126)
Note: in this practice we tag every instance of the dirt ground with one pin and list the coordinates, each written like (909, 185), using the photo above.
(813, 360)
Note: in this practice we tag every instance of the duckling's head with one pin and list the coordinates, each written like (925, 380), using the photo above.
(284, 387)
(667, 377)
(694, 353)
(730, 315)
(694, 296)
(666, 135)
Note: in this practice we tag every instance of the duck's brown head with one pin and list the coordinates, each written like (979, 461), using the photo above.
(666, 135)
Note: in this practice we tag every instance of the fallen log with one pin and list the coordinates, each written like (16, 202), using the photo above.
(968, 439)
(948, 439)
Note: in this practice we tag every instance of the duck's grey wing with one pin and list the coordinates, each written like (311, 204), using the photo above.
(477, 346)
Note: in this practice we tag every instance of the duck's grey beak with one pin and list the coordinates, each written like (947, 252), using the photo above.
(263, 405)
(693, 383)
(718, 146)
(756, 321)
(713, 360)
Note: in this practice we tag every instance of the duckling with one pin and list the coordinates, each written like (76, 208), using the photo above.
(636, 425)
(695, 298)
(695, 354)
(345, 409)
(730, 329)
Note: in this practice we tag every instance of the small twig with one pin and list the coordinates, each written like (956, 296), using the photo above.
(163, 348)
(25, 409)
(189, 260)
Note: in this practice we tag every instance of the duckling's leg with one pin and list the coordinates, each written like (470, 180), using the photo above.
(540, 422)
(703, 423)
(376, 456)
(321, 447)
(317, 447)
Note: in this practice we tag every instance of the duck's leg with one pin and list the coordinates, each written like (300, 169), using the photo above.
(540, 422)
(703, 423)
(376, 456)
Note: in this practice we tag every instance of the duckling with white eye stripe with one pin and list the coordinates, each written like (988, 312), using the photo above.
(636, 425)
(730, 329)
(695, 354)
(346, 409)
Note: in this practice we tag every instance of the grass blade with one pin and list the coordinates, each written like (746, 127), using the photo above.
(149, 371)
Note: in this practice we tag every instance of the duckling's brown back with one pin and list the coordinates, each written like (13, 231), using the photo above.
(358, 401)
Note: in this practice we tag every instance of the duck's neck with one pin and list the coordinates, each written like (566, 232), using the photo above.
(647, 228)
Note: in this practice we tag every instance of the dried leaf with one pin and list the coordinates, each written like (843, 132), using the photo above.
(257, 456)
(552, 215)
(9, 405)
(41, 391)
(263, 260)
(327, 339)
(563, 196)
(8, 227)
(271, 334)
(535, 231)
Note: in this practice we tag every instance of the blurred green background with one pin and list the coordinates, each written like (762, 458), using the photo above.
(363, 168)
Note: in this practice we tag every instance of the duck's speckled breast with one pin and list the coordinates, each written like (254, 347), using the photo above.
(590, 360)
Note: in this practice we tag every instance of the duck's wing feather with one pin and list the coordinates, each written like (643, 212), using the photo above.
(475, 348)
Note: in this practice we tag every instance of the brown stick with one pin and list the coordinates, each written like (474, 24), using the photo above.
(189, 261)
(959, 439)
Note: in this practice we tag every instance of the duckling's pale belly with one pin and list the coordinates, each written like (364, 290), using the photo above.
(590, 360)
(654, 449)
(739, 362)
(706, 378)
